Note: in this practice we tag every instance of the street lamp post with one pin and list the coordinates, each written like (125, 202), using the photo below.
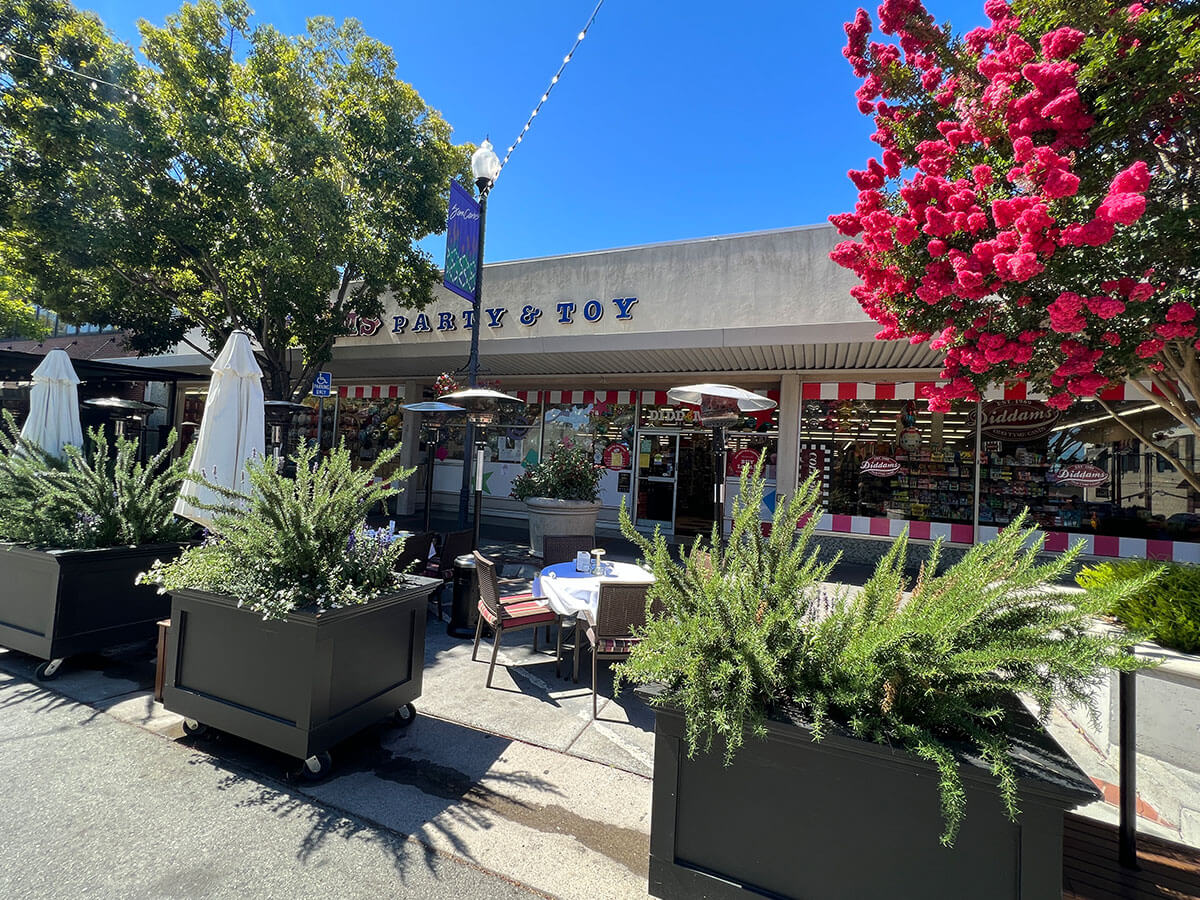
(485, 166)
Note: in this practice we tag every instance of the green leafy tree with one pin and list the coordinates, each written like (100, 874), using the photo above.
(18, 318)
(243, 179)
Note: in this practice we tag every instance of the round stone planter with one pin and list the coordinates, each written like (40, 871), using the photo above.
(556, 517)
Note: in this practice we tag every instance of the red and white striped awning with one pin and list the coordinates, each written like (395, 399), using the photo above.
(916, 390)
(371, 391)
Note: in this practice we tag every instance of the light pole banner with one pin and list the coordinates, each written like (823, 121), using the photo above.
(462, 242)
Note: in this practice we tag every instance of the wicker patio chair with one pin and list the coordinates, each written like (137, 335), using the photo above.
(622, 607)
(504, 613)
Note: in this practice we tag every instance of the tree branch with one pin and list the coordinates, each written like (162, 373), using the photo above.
(1189, 476)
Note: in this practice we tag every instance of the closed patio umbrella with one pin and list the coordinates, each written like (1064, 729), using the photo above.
(53, 420)
(231, 432)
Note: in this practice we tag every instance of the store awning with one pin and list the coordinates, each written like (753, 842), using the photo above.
(649, 354)
(16, 365)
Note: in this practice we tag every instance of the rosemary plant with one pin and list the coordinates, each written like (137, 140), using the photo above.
(295, 543)
(101, 496)
(929, 664)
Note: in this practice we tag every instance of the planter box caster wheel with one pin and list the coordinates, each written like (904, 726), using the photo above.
(194, 729)
(405, 715)
(48, 671)
(317, 767)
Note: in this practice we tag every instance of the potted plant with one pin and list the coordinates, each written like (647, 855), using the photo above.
(74, 533)
(289, 625)
(813, 742)
(1167, 612)
(561, 493)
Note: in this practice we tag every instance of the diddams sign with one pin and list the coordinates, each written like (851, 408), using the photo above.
(564, 313)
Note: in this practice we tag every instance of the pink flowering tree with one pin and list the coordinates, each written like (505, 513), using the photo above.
(1032, 213)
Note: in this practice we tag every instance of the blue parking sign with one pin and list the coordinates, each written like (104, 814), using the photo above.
(322, 384)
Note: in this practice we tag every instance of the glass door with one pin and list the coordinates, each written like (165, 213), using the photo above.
(656, 472)
(694, 484)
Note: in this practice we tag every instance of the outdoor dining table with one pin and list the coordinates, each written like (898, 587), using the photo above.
(572, 593)
(575, 595)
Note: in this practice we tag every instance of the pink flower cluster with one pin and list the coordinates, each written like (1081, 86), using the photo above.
(994, 196)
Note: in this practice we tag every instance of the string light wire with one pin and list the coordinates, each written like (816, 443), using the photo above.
(51, 67)
(546, 94)
(134, 97)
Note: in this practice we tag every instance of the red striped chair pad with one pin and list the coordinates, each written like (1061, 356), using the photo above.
(525, 611)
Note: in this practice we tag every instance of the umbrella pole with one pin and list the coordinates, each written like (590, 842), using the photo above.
(719, 480)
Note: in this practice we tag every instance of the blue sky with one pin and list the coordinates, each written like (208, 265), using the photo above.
(675, 120)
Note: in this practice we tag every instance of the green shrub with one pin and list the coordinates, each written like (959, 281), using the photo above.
(92, 498)
(295, 543)
(569, 473)
(748, 631)
(1166, 609)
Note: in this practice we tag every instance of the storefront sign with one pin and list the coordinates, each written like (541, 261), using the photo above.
(616, 456)
(812, 462)
(880, 466)
(740, 461)
(670, 415)
(1016, 420)
(1081, 475)
(564, 312)
(462, 242)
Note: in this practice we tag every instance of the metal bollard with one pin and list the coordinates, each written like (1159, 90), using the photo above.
(463, 612)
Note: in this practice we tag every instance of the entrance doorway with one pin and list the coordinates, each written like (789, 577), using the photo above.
(694, 484)
(656, 467)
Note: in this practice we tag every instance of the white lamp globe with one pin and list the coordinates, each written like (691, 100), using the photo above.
(485, 164)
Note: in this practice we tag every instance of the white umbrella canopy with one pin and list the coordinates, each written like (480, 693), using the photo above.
(53, 420)
(719, 403)
(231, 432)
(747, 401)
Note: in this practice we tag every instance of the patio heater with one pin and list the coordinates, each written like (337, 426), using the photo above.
(280, 416)
(483, 408)
(127, 417)
(721, 405)
(437, 415)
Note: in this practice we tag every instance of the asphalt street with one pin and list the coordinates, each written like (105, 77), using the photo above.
(91, 807)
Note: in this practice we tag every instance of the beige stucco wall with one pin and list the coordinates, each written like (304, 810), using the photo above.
(773, 279)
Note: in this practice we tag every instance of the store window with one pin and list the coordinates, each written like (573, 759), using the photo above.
(890, 458)
(367, 425)
(1079, 471)
(604, 427)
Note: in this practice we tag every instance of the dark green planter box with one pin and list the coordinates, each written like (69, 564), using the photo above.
(844, 818)
(57, 603)
(297, 685)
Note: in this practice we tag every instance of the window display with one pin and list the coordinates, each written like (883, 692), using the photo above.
(891, 458)
(1078, 471)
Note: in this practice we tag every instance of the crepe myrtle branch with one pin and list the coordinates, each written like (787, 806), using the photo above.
(1140, 435)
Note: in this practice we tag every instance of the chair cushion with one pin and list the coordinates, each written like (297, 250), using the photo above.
(523, 612)
(617, 645)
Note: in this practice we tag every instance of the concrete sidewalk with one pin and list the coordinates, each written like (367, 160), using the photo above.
(94, 808)
(516, 786)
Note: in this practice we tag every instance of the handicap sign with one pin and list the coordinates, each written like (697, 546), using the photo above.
(322, 384)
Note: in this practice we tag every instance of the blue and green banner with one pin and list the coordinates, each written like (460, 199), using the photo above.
(462, 242)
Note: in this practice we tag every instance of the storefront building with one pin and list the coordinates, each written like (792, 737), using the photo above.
(591, 343)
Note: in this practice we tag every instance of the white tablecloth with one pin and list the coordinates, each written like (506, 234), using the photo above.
(571, 593)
